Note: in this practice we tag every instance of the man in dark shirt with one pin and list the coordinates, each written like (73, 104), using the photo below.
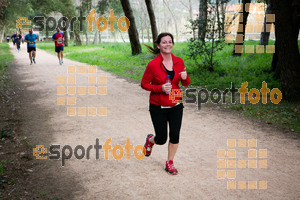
(17, 38)
(13, 39)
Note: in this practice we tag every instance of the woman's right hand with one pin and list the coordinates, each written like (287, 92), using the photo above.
(167, 87)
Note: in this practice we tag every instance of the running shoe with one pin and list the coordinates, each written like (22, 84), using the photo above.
(31, 63)
(62, 61)
(34, 61)
(148, 145)
(170, 168)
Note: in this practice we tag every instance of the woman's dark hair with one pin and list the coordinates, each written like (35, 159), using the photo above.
(155, 50)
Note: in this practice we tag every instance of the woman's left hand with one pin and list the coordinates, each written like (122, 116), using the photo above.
(183, 74)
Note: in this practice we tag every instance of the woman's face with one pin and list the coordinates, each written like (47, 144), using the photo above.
(165, 44)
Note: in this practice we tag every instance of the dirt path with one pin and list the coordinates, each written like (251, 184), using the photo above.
(203, 133)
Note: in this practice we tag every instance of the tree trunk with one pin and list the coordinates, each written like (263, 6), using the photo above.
(239, 31)
(66, 39)
(190, 9)
(223, 18)
(202, 20)
(100, 37)
(264, 36)
(86, 38)
(114, 36)
(174, 19)
(95, 41)
(2, 34)
(218, 19)
(286, 60)
(77, 37)
(122, 37)
(211, 65)
(72, 36)
(132, 31)
(152, 20)
(191, 16)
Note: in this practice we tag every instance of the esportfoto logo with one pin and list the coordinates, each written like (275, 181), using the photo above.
(203, 95)
(40, 23)
(231, 164)
(68, 90)
(66, 152)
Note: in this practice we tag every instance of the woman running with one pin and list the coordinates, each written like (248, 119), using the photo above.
(164, 107)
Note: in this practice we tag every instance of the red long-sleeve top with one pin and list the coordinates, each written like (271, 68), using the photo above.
(155, 76)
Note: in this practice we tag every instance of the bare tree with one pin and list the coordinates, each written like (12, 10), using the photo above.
(265, 35)
(132, 31)
(223, 4)
(189, 7)
(152, 20)
(218, 18)
(202, 20)
(174, 19)
(142, 19)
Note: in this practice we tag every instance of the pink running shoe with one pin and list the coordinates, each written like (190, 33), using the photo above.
(148, 145)
(170, 168)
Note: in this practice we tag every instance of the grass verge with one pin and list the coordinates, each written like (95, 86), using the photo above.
(5, 59)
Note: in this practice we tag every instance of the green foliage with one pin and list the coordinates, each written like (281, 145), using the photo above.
(30, 8)
(13, 11)
(193, 25)
(3, 6)
(2, 167)
(85, 6)
(1, 170)
(253, 68)
(44, 7)
(260, 1)
(6, 130)
(102, 6)
(5, 56)
(202, 52)
(105, 5)
(5, 59)
(284, 114)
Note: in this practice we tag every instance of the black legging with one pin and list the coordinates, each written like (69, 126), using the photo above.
(18, 45)
(160, 118)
